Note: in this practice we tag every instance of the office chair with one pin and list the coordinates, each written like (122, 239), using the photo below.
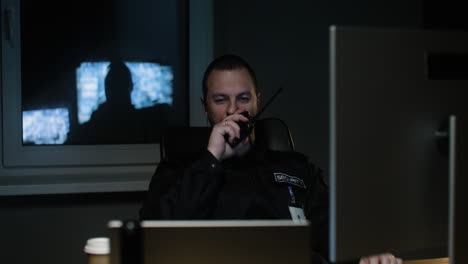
(184, 143)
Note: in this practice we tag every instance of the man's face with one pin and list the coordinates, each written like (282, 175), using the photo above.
(229, 92)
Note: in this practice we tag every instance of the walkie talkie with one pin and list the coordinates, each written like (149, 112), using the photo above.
(247, 127)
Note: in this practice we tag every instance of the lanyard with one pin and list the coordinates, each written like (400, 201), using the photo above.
(291, 194)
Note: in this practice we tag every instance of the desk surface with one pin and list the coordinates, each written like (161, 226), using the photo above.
(427, 261)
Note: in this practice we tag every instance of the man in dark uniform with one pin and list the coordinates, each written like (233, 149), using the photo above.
(245, 181)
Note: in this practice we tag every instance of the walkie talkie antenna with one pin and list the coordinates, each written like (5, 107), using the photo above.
(268, 102)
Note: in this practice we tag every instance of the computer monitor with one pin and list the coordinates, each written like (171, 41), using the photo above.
(394, 184)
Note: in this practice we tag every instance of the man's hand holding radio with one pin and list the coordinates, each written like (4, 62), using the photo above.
(227, 130)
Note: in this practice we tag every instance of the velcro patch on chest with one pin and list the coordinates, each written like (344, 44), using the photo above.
(285, 178)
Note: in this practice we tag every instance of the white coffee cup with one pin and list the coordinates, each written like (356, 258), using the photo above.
(98, 250)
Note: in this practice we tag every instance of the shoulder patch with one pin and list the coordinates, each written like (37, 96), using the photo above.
(285, 178)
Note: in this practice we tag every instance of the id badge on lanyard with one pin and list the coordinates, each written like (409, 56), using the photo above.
(297, 213)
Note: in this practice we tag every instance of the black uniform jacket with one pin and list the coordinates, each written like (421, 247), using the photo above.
(254, 186)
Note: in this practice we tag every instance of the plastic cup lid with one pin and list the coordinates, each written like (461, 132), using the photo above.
(97, 245)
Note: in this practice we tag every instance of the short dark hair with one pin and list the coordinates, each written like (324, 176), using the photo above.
(227, 62)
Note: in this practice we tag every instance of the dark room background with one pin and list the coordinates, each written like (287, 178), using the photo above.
(287, 43)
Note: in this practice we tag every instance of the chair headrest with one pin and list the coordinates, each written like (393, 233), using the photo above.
(274, 134)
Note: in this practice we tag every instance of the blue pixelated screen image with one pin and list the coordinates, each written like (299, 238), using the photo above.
(46, 126)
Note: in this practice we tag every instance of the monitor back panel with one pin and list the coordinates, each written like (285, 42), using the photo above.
(390, 91)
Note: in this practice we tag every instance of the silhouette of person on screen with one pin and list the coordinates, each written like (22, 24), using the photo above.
(118, 87)
(114, 122)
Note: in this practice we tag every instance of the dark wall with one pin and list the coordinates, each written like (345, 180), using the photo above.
(446, 15)
(287, 43)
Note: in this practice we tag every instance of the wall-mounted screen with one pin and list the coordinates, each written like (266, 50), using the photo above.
(68, 67)
(87, 87)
